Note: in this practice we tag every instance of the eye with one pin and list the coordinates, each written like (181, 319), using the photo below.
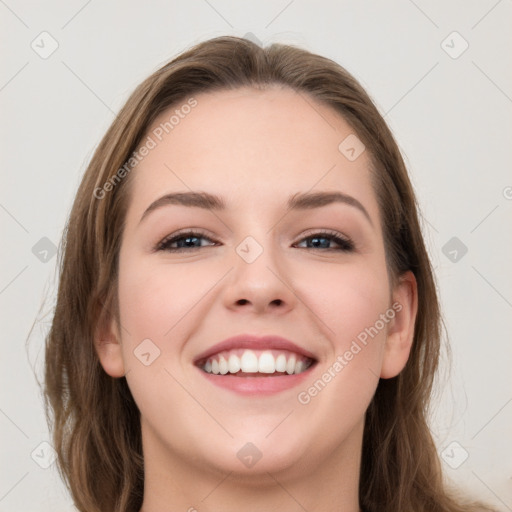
(184, 241)
(323, 239)
(191, 240)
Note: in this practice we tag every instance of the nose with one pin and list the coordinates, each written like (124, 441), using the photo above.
(261, 285)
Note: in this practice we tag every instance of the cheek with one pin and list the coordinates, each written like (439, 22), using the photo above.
(347, 298)
(346, 301)
(158, 303)
(153, 299)
(349, 301)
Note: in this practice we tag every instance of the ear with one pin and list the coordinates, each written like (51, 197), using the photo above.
(400, 333)
(107, 342)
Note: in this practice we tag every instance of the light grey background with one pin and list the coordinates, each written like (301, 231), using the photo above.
(451, 113)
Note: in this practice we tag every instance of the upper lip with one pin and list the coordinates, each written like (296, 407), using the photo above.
(255, 342)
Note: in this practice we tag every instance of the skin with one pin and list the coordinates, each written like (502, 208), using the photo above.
(254, 149)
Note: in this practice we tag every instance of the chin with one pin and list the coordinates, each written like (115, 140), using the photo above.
(253, 458)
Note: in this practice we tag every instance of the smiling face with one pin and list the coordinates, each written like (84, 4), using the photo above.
(290, 246)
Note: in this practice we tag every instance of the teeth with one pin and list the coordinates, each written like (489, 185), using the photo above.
(281, 363)
(234, 364)
(267, 363)
(223, 366)
(290, 365)
(247, 361)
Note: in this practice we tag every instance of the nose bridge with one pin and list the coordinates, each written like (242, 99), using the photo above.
(258, 278)
(257, 245)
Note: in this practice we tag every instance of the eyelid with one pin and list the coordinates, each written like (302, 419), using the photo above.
(324, 231)
(329, 233)
(343, 241)
(185, 231)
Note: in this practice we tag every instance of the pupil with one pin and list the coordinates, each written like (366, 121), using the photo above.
(317, 244)
(189, 240)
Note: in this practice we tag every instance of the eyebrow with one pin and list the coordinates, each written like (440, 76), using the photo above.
(298, 201)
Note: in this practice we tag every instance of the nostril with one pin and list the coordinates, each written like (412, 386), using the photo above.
(242, 301)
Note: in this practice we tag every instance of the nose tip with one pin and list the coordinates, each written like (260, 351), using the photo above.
(258, 283)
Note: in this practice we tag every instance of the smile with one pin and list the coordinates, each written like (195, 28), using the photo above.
(245, 362)
(249, 364)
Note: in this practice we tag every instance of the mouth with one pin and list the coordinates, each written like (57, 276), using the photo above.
(254, 365)
(246, 362)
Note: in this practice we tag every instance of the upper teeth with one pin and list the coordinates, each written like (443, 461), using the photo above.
(250, 361)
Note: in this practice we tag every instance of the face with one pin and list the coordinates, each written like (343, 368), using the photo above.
(303, 287)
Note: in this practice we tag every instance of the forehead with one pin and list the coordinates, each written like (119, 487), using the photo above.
(246, 145)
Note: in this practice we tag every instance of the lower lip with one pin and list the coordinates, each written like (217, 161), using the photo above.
(257, 385)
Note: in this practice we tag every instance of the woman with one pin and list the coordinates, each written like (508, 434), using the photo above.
(247, 316)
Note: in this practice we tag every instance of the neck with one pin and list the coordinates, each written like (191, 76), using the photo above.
(329, 483)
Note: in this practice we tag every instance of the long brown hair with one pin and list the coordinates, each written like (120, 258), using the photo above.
(95, 421)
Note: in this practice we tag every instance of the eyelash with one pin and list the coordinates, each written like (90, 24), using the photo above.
(344, 242)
